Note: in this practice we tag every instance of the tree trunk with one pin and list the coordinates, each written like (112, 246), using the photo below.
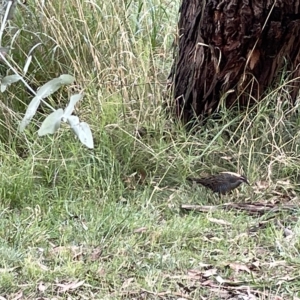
(231, 51)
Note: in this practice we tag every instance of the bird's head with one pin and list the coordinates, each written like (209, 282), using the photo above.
(244, 179)
(239, 178)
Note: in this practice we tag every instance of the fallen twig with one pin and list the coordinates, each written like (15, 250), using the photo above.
(253, 208)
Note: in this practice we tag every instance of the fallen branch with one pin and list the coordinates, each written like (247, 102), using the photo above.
(253, 208)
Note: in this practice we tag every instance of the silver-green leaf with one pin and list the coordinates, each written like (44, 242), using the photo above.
(82, 130)
(8, 80)
(73, 100)
(46, 90)
(51, 123)
(30, 112)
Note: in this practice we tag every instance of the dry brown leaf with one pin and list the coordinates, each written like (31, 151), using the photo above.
(84, 226)
(226, 282)
(127, 282)
(288, 233)
(64, 249)
(253, 57)
(209, 273)
(239, 267)
(198, 274)
(70, 286)
(221, 293)
(194, 273)
(101, 272)
(135, 178)
(78, 256)
(220, 279)
(262, 185)
(219, 221)
(227, 157)
(203, 265)
(239, 236)
(255, 265)
(95, 255)
(210, 237)
(42, 287)
(275, 264)
(43, 267)
(142, 176)
(283, 182)
(75, 251)
(208, 282)
(140, 230)
(130, 181)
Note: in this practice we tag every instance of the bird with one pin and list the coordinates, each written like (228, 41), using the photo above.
(221, 183)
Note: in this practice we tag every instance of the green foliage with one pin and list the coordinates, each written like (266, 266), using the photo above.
(106, 223)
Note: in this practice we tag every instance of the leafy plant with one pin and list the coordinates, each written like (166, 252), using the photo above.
(52, 122)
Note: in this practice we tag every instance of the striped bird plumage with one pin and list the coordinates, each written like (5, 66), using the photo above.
(222, 183)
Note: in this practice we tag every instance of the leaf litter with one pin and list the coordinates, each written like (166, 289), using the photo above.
(73, 285)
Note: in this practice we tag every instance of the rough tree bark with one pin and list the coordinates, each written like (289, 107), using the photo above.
(232, 50)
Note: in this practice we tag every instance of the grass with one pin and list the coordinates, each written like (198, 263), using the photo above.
(107, 223)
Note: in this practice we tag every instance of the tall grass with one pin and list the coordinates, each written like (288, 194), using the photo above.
(110, 217)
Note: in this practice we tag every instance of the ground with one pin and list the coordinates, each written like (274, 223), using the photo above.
(121, 221)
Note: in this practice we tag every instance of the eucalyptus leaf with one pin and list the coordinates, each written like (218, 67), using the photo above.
(45, 90)
(82, 130)
(8, 80)
(48, 88)
(30, 112)
(53, 85)
(11, 9)
(27, 64)
(51, 123)
(66, 79)
(73, 100)
(73, 121)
